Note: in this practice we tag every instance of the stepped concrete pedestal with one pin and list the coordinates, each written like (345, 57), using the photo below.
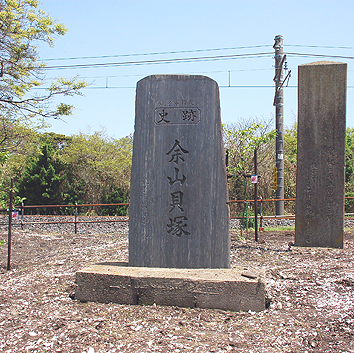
(235, 289)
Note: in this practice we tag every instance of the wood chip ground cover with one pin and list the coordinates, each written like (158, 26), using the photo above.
(310, 301)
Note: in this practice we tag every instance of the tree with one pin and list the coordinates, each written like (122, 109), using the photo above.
(52, 168)
(96, 163)
(18, 142)
(240, 142)
(22, 26)
(290, 165)
(3, 194)
(114, 194)
(349, 155)
(349, 168)
(42, 178)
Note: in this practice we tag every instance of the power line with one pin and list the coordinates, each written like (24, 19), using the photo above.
(188, 60)
(191, 51)
(133, 87)
(220, 86)
(159, 61)
(317, 46)
(156, 53)
(181, 73)
(321, 55)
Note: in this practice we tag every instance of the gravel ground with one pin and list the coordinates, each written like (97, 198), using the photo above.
(310, 300)
(65, 224)
(103, 224)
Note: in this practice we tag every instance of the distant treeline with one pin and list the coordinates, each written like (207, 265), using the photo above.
(50, 168)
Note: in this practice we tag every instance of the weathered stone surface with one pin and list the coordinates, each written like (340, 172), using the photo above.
(321, 154)
(178, 214)
(236, 289)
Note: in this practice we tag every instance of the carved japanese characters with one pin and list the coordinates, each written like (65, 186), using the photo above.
(178, 210)
(321, 155)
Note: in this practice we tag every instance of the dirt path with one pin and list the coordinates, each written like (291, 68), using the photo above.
(310, 301)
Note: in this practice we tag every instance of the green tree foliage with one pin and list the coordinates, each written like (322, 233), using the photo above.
(3, 195)
(349, 155)
(52, 168)
(349, 168)
(290, 165)
(23, 110)
(240, 142)
(81, 168)
(22, 26)
(96, 163)
(42, 178)
(114, 194)
(19, 142)
(16, 136)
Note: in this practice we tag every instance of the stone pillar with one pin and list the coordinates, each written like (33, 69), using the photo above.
(178, 216)
(321, 154)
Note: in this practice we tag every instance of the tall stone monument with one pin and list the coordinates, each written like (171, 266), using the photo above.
(321, 154)
(179, 244)
(178, 215)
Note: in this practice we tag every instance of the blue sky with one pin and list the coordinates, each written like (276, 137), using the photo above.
(107, 31)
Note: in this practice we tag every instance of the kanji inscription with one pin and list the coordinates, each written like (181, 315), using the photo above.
(178, 213)
(177, 152)
(162, 117)
(177, 115)
(177, 225)
(190, 115)
(176, 200)
(321, 138)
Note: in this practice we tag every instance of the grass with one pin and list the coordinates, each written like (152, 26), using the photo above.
(279, 228)
(273, 229)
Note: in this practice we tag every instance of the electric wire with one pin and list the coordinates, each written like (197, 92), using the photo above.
(156, 53)
(159, 61)
(317, 46)
(192, 51)
(178, 73)
(320, 55)
(220, 86)
(188, 60)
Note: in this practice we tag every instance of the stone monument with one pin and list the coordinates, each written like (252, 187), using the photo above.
(178, 214)
(321, 154)
(179, 244)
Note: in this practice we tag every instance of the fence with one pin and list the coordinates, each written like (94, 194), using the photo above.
(11, 212)
(75, 207)
(76, 219)
(234, 214)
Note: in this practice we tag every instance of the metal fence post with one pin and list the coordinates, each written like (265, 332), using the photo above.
(255, 198)
(246, 220)
(261, 214)
(22, 214)
(75, 217)
(10, 228)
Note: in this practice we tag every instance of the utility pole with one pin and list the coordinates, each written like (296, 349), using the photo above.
(279, 119)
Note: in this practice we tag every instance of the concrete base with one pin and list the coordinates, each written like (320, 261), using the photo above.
(236, 289)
